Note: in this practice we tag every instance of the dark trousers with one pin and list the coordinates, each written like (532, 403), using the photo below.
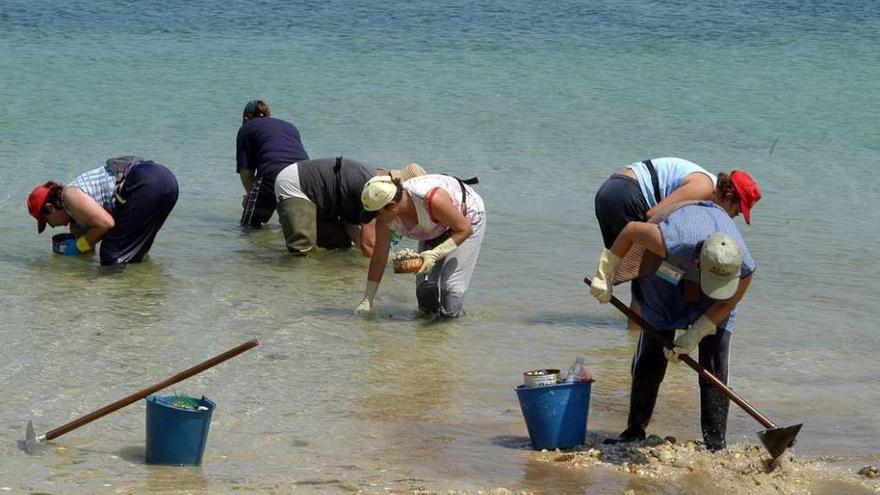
(649, 368)
(260, 202)
(148, 195)
(619, 201)
(649, 363)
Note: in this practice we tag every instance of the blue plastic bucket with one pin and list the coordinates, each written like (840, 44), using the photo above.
(176, 435)
(556, 415)
(58, 241)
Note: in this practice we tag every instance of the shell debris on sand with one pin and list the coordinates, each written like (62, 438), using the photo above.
(406, 261)
(870, 471)
(404, 254)
(500, 490)
(740, 469)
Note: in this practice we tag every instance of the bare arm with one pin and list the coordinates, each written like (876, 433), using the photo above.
(87, 211)
(719, 310)
(380, 252)
(76, 230)
(643, 233)
(696, 186)
(368, 239)
(448, 214)
(247, 179)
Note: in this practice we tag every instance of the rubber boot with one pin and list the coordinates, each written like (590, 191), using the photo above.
(299, 224)
(713, 417)
(428, 296)
(642, 398)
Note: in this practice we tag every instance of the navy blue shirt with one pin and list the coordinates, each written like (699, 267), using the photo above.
(266, 145)
(662, 303)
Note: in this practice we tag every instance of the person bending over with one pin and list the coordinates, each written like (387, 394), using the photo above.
(264, 146)
(448, 219)
(121, 205)
(706, 270)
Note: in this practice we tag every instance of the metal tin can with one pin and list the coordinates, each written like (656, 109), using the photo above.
(537, 378)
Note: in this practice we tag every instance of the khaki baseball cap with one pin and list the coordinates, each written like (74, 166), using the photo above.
(378, 192)
(720, 266)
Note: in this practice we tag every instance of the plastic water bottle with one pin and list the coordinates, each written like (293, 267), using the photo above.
(572, 371)
(577, 372)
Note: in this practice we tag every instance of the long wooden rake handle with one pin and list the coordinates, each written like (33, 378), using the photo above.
(183, 375)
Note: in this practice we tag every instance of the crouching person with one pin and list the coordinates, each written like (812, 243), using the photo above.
(319, 205)
(121, 205)
(447, 217)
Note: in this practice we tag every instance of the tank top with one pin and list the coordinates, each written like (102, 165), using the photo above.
(422, 189)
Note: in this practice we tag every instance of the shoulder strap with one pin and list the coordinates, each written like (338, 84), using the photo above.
(461, 184)
(655, 182)
(337, 169)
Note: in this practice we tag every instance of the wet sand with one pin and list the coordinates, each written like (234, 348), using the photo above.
(660, 465)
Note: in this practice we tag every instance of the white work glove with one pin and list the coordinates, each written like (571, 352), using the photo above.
(430, 257)
(600, 285)
(687, 341)
(366, 305)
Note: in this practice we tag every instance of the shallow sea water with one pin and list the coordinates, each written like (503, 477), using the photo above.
(542, 102)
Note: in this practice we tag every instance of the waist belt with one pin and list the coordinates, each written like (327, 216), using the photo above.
(655, 182)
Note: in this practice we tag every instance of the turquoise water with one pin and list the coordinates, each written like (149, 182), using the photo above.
(542, 101)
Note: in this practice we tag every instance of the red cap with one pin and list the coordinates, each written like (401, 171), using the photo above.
(748, 192)
(35, 203)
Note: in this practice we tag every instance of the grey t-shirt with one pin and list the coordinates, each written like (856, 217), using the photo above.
(335, 190)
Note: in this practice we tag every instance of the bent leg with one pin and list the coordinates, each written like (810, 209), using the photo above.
(428, 288)
(648, 370)
(714, 405)
(298, 222)
(456, 271)
(260, 202)
(332, 234)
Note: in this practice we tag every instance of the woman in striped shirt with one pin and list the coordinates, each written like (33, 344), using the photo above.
(121, 205)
